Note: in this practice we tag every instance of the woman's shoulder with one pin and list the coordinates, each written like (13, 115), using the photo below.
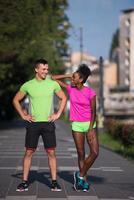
(90, 89)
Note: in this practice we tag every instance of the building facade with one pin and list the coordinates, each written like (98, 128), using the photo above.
(126, 55)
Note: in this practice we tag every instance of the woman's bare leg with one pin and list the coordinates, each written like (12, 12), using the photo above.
(79, 139)
(92, 140)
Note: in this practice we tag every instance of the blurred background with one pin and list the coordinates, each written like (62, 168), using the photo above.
(67, 33)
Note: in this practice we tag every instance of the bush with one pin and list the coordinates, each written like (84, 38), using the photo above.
(113, 127)
(128, 134)
(122, 131)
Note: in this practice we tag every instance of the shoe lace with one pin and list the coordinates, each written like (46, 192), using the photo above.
(86, 186)
(55, 184)
(22, 185)
(81, 182)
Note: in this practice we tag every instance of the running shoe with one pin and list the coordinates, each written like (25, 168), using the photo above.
(80, 183)
(22, 187)
(55, 187)
(85, 187)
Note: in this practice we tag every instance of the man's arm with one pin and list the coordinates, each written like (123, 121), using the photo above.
(59, 77)
(60, 94)
(16, 102)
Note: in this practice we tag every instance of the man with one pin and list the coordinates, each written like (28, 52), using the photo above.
(40, 119)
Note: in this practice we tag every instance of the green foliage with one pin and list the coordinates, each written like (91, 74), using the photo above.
(116, 145)
(109, 141)
(128, 134)
(113, 127)
(120, 131)
(29, 29)
(114, 44)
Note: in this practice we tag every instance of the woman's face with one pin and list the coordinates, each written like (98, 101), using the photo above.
(76, 79)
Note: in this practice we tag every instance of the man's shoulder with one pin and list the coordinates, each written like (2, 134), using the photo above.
(50, 81)
(29, 82)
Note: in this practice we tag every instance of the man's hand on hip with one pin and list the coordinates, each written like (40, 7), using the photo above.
(28, 118)
(53, 117)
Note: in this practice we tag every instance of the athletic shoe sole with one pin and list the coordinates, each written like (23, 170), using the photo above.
(56, 190)
(85, 190)
(21, 190)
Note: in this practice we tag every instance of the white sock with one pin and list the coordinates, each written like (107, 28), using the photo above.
(81, 177)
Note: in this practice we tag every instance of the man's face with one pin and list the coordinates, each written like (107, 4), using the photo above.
(41, 71)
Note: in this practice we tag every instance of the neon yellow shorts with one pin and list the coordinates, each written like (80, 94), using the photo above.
(82, 126)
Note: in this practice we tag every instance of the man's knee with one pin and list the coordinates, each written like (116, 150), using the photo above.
(50, 152)
(29, 152)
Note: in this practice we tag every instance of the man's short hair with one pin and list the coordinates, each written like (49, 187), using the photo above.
(40, 61)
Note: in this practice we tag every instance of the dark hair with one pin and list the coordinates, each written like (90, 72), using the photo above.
(40, 61)
(84, 72)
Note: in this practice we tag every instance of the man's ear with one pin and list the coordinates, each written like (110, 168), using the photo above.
(36, 70)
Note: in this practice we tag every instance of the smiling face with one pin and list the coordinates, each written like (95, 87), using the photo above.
(76, 79)
(41, 71)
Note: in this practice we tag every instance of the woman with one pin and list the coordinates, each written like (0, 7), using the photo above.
(83, 118)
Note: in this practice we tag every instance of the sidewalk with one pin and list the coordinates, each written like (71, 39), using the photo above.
(111, 176)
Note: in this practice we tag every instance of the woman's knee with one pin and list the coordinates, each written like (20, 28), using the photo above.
(81, 154)
(95, 153)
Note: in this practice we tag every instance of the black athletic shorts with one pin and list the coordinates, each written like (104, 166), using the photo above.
(36, 129)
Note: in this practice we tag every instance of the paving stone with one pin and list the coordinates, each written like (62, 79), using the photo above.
(111, 176)
(21, 197)
(82, 198)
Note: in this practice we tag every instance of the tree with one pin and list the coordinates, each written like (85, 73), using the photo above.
(29, 29)
(114, 45)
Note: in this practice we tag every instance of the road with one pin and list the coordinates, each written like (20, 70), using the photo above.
(111, 177)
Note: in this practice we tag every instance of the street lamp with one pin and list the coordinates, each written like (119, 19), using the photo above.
(81, 44)
(79, 37)
(101, 93)
(101, 96)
